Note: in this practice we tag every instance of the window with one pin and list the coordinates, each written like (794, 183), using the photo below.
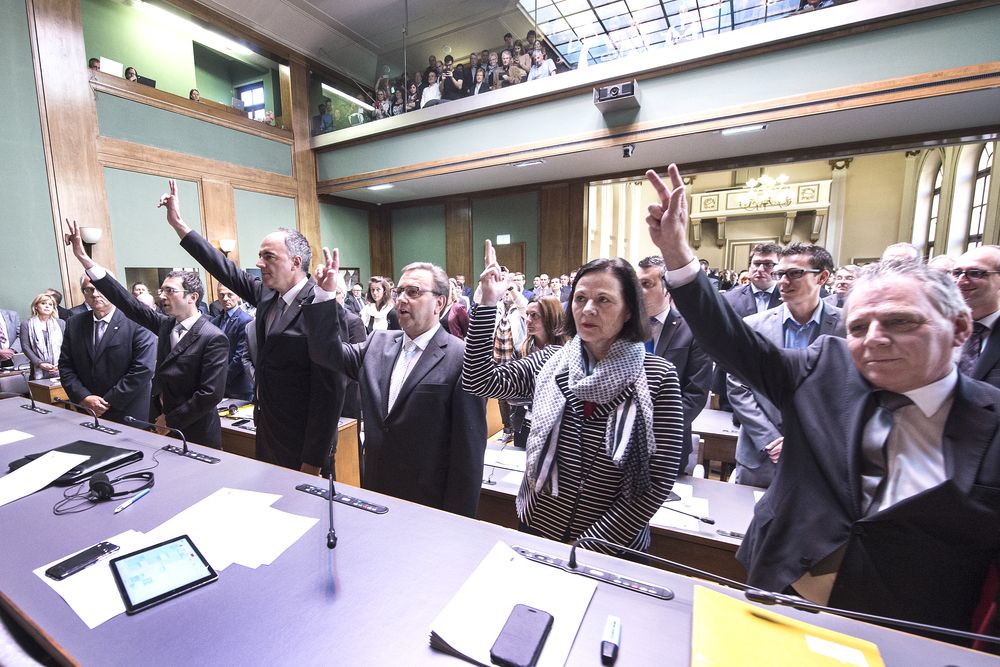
(980, 195)
(935, 211)
(252, 96)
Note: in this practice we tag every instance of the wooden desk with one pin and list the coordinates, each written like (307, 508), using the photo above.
(243, 441)
(44, 391)
(370, 601)
(718, 440)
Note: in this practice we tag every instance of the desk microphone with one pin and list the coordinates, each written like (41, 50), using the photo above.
(704, 519)
(24, 370)
(331, 535)
(755, 594)
(183, 450)
(96, 425)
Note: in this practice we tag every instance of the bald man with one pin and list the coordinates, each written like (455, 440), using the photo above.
(977, 274)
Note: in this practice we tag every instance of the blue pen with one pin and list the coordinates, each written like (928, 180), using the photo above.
(131, 501)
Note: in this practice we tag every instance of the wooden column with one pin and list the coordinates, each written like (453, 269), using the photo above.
(219, 206)
(458, 238)
(380, 242)
(561, 223)
(303, 159)
(69, 130)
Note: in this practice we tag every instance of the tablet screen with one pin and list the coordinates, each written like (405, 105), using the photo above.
(160, 572)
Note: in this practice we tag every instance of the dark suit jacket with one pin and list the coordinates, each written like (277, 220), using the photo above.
(77, 310)
(744, 303)
(352, 393)
(988, 367)
(430, 448)
(353, 304)
(190, 379)
(760, 419)
(925, 558)
(12, 322)
(238, 383)
(298, 403)
(676, 344)
(120, 370)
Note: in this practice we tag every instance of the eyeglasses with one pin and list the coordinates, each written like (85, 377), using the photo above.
(971, 274)
(170, 291)
(763, 265)
(793, 274)
(88, 291)
(412, 291)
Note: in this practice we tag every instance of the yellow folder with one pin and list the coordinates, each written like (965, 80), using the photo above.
(727, 631)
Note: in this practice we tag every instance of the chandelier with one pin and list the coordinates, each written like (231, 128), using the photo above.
(766, 192)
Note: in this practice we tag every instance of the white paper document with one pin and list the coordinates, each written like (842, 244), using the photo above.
(13, 435)
(37, 475)
(470, 623)
(668, 518)
(508, 459)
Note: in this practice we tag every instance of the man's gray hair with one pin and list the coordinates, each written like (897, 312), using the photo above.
(297, 246)
(84, 277)
(939, 286)
(438, 275)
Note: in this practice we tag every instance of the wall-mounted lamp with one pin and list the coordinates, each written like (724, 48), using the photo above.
(90, 236)
(227, 246)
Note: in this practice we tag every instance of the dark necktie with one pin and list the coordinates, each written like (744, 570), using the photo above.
(651, 343)
(873, 442)
(972, 348)
(99, 332)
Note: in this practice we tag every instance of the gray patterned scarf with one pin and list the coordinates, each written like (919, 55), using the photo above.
(629, 438)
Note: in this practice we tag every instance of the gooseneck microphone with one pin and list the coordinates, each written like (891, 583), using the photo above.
(174, 449)
(24, 370)
(96, 425)
(769, 598)
(704, 519)
(331, 535)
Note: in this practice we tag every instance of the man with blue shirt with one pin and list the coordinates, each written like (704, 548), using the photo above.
(801, 272)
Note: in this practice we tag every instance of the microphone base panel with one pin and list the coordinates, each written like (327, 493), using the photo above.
(33, 408)
(634, 585)
(350, 501)
(191, 454)
(100, 428)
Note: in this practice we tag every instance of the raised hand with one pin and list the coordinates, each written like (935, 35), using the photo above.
(668, 218)
(328, 272)
(172, 203)
(492, 280)
(73, 239)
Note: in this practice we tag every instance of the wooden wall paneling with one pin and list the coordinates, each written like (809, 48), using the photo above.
(458, 237)
(285, 85)
(218, 205)
(69, 128)
(380, 242)
(303, 159)
(554, 253)
(576, 239)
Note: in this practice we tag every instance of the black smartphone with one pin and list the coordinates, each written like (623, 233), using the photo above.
(520, 642)
(80, 561)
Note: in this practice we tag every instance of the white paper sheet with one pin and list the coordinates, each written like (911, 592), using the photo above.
(476, 614)
(36, 475)
(667, 518)
(757, 495)
(514, 478)
(508, 459)
(13, 435)
(92, 592)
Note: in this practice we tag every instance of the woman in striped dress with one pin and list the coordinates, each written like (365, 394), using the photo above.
(607, 419)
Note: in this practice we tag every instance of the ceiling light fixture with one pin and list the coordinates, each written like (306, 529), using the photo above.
(743, 129)
(383, 186)
(766, 192)
(528, 163)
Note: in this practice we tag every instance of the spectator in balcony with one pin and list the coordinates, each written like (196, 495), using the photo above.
(131, 74)
(432, 66)
(470, 72)
(398, 103)
(432, 92)
(810, 5)
(508, 42)
(418, 80)
(542, 66)
(481, 84)
(194, 95)
(94, 64)
(509, 73)
(452, 83)
(535, 42)
(521, 57)
(323, 121)
(412, 97)
(492, 65)
(382, 107)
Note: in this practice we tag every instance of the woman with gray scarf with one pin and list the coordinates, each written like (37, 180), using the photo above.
(41, 337)
(607, 419)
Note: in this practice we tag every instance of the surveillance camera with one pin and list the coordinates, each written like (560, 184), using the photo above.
(628, 150)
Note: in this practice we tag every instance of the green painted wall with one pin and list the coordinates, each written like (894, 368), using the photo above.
(157, 49)
(514, 214)
(257, 215)
(212, 75)
(346, 228)
(139, 230)
(133, 121)
(30, 262)
(417, 236)
(944, 42)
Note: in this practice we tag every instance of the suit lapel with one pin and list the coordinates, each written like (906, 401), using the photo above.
(184, 343)
(110, 332)
(990, 355)
(772, 327)
(389, 353)
(670, 326)
(429, 358)
(828, 322)
(970, 429)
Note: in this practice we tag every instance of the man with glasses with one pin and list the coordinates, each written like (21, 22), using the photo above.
(977, 274)
(843, 279)
(106, 361)
(887, 500)
(425, 437)
(192, 353)
(802, 270)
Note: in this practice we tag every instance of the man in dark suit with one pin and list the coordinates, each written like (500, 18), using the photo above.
(298, 403)
(880, 505)
(10, 331)
(64, 313)
(800, 319)
(112, 373)
(425, 437)
(354, 300)
(672, 340)
(843, 279)
(191, 354)
(233, 322)
(977, 274)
